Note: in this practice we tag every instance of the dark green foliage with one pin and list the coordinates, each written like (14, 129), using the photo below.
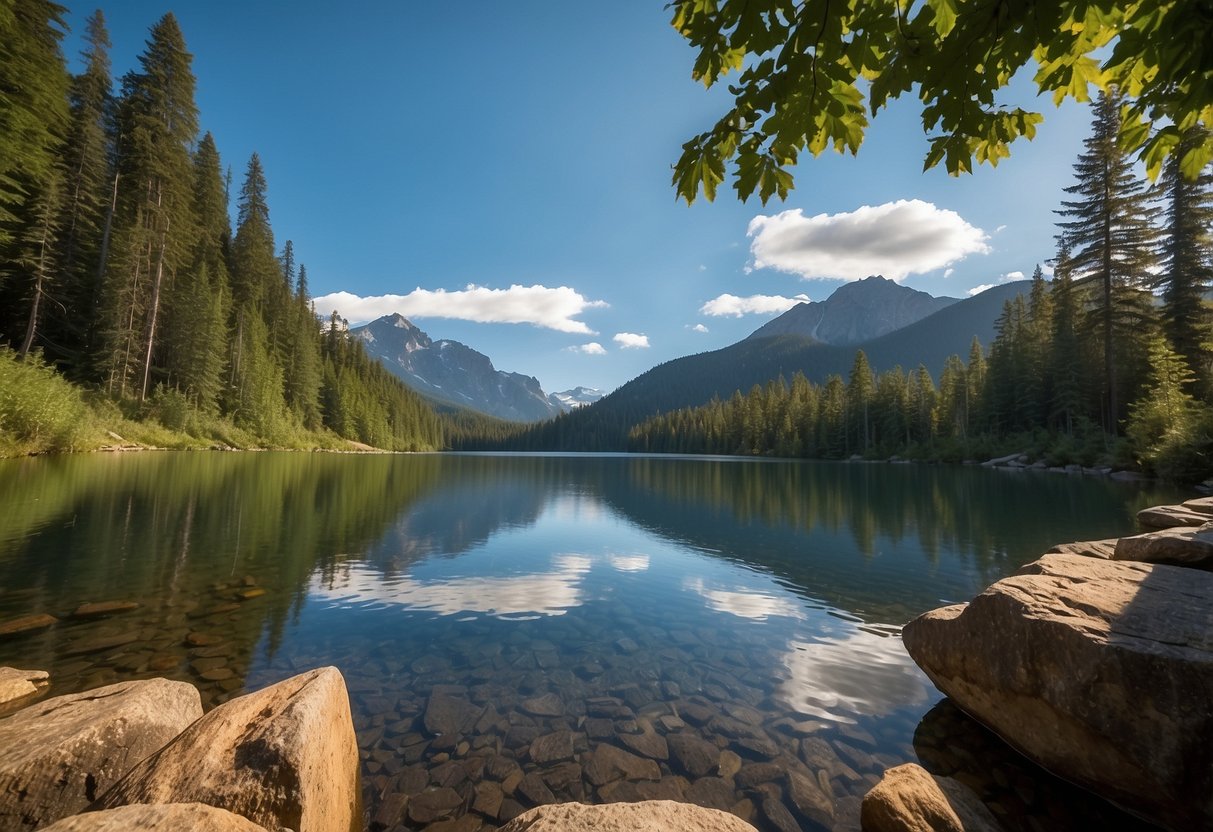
(33, 105)
(1188, 264)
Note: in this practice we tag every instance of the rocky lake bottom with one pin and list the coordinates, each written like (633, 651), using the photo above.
(519, 631)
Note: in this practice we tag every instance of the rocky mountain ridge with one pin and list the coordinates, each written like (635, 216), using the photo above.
(453, 373)
(856, 312)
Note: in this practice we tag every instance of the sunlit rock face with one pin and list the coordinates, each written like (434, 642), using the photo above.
(1101, 671)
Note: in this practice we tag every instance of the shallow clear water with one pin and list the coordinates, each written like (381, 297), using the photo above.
(498, 616)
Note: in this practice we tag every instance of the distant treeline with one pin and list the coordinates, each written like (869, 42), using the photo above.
(120, 269)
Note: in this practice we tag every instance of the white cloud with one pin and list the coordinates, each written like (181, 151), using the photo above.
(753, 305)
(896, 239)
(697, 328)
(702, 267)
(948, 273)
(1002, 278)
(592, 348)
(631, 341)
(550, 307)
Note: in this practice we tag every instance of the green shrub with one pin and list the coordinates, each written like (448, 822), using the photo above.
(39, 410)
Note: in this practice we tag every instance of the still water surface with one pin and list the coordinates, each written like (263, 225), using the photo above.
(501, 616)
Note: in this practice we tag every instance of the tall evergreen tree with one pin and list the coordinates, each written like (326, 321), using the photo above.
(86, 166)
(861, 386)
(198, 306)
(1188, 261)
(1065, 355)
(256, 388)
(33, 104)
(159, 121)
(1110, 226)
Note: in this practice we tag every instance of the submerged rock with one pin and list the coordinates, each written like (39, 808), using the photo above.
(95, 609)
(909, 799)
(26, 624)
(59, 754)
(1100, 671)
(649, 815)
(283, 756)
(160, 817)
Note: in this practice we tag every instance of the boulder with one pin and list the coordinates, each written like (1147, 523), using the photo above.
(283, 756)
(1101, 671)
(161, 817)
(59, 754)
(1180, 546)
(1203, 505)
(646, 816)
(909, 799)
(1166, 517)
(1103, 549)
(18, 687)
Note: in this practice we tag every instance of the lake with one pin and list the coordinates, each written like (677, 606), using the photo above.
(501, 618)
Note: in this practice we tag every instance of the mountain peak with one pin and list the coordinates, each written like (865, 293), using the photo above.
(454, 373)
(856, 311)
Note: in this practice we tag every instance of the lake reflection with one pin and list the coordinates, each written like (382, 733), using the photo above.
(753, 605)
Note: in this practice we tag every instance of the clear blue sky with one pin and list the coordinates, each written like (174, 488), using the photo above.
(431, 146)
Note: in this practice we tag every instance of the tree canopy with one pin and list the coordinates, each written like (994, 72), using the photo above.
(812, 72)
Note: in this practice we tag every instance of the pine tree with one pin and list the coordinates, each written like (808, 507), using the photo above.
(198, 306)
(1110, 228)
(86, 172)
(153, 224)
(1188, 262)
(257, 378)
(861, 386)
(1065, 350)
(35, 248)
(33, 106)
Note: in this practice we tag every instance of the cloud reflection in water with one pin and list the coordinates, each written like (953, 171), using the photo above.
(513, 596)
(757, 606)
(861, 673)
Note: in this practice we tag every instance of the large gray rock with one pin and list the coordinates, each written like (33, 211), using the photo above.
(646, 816)
(1204, 505)
(1102, 549)
(1181, 546)
(19, 687)
(56, 756)
(1101, 671)
(283, 756)
(161, 817)
(909, 799)
(1167, 517)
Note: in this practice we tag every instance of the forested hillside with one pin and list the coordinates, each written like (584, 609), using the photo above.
(119, 267)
